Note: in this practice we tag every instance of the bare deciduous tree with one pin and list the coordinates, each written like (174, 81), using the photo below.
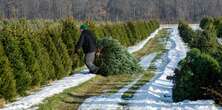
(168, 11)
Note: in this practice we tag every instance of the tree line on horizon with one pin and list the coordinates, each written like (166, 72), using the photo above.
(166, 11)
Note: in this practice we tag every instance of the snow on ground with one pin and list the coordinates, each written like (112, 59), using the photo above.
(193, 26)
(55, 88)
(219, 40)
(146, 60)
(141, 44)
(106, 102)
(157, 94)
(60, 85)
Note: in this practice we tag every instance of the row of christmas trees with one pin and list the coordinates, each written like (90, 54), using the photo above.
(200, 74)
(35, 52)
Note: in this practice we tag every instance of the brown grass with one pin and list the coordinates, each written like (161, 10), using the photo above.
(2, 102)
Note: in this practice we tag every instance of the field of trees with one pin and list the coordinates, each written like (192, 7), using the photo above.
(36, 52)
(200, 73)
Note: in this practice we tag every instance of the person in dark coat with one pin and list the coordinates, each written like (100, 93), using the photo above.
(87, 42)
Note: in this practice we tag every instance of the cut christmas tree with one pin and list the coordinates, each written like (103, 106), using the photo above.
(115, 59)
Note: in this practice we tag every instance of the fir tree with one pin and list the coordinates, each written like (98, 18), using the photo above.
(12, 50)
(198, 70)
(207, 42)
(29, 57)
(132, 31)
(7, 81)
(70, 37)
(54, 55)
(115, 59)
(42, 55)
(69, 34)
(205, 22)
(55, 33)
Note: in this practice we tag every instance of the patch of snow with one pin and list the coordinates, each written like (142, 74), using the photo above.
(105, 102)
(60, 85)
(141, 44)
(219, 40)
(195, 27)
(55, 88)
(146, 60)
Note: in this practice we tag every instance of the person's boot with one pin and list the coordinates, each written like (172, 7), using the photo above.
(95, 71)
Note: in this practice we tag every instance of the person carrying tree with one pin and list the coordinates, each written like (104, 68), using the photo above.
(87, 42)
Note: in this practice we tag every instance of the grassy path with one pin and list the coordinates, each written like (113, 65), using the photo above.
(71, 98)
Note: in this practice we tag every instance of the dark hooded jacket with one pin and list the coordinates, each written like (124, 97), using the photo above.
(87, 41)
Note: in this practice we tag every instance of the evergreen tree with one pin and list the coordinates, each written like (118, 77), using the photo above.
(198, 70)
(98, 31)
(55, 34)
(132, 31)
(122, 33)
(115, 59)
(30, 60)
(208, 43)
(205, 22)
(12, 50)
(186, 32)
(69, 34)
(54, 55)
(125, 34)
(70, 37)
(129, 34)
(219, 31)
(7, 81)
(42, 55)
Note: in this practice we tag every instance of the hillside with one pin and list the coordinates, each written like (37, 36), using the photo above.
(167, 11)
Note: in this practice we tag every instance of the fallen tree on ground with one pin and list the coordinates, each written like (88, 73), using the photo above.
(115, 59)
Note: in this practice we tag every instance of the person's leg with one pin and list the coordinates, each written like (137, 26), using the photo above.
(89, 59)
